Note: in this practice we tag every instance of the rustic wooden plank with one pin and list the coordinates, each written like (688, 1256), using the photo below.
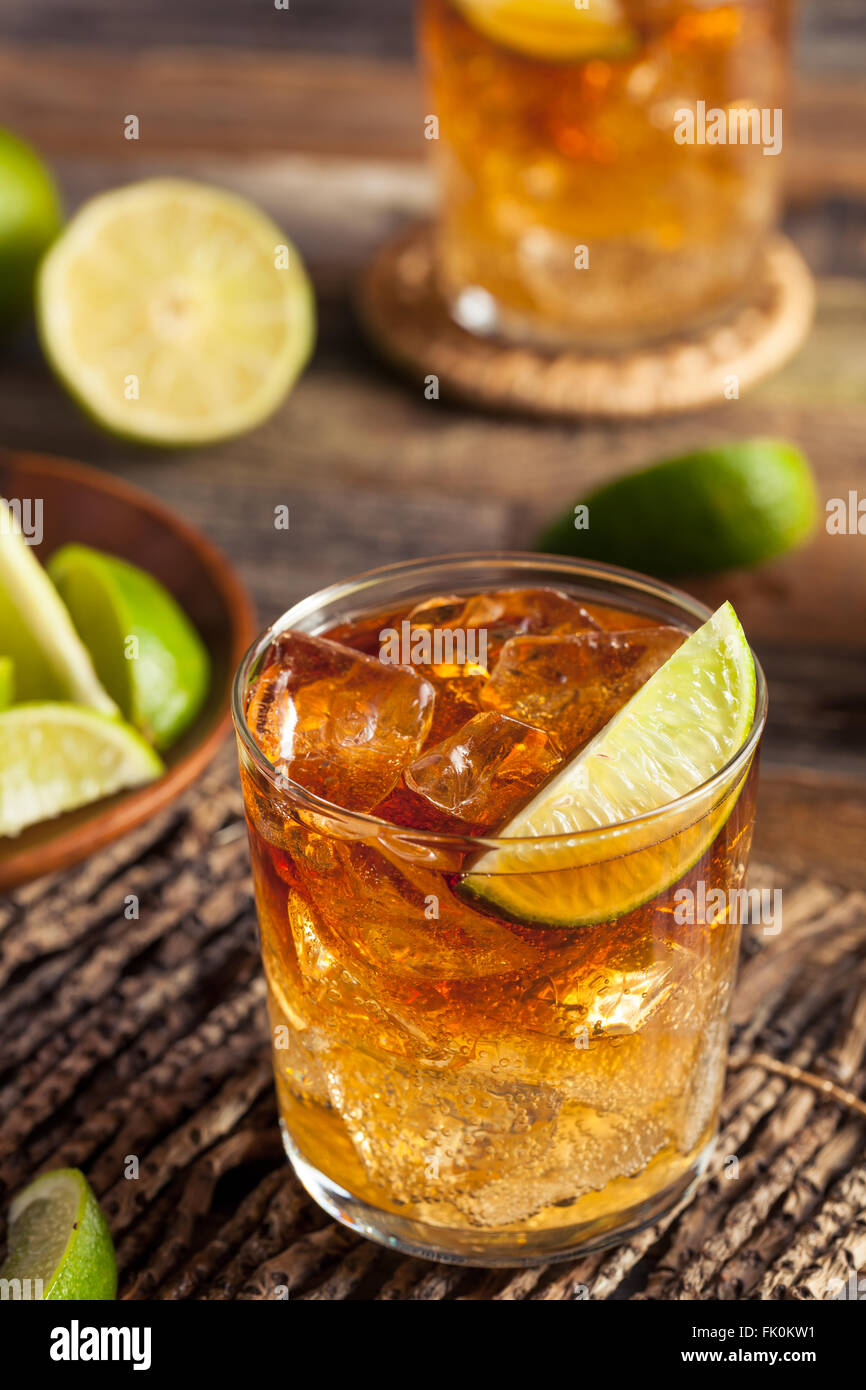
(332, 26)
(336, 529)
(209, 101)
(204, 100)
(830, 32)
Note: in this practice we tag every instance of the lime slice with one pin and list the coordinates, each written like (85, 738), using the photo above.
(59, 1243)
(554, 30)
(175, 313)
(146, 651)
(685, 724)
(715, 509)
(7, 681)
(54, 757)
(36, 631)
(29, 221)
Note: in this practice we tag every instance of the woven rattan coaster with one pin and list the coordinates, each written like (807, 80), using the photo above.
(408, 320)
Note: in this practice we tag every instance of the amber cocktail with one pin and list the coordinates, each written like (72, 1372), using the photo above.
(609, 169)
(485, 1067)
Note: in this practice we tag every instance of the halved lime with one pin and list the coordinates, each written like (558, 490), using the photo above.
(7, 681)
(685, 724)
(54, 757)
(175, 313)
(554, 30)
(60, 1246)
(146, 651)
(36, 631)
(714, 509)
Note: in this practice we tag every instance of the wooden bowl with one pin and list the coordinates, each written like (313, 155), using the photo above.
(94, 508)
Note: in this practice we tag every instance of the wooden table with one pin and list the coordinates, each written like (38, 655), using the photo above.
(373, 472)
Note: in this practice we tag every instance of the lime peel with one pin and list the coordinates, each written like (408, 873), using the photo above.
(161, 682)
(30, 218)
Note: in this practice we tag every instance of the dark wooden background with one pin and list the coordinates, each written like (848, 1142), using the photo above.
(830, 31)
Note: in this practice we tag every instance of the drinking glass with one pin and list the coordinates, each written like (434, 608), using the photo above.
(457, 1083)
(608, 170)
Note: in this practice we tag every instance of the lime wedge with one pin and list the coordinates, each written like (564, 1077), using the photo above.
(714, 509)
(556, 31)
(146, 651)
(54, 757)
(685, 724)
(59, 1243)
(7, 681)
(36, 631)
(175, 313)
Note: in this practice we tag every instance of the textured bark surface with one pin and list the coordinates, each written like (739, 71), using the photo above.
(145, 1039)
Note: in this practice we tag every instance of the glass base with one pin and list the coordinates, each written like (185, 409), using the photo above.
(487, 1249)
(476, 310)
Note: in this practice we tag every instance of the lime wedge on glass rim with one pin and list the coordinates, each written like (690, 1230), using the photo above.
(55, 756)
(554, 30)
(36, 632)
(59, 1244)
(681, 727)
(175, 313)
(161, 682)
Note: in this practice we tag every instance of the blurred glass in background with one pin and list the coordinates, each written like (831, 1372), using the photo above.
(609, 170)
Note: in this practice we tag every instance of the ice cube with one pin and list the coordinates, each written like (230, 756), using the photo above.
(297, 1067)
(388, 923)
(506, 613)
(331, 987)
(526, 611)
(441, 611)
(342, 724)
(619, 1015)
(457, 699)
(588, 1150)
(484, 771)
(571, 686)
(428, 1135)
(623, 1000)
(455, 659)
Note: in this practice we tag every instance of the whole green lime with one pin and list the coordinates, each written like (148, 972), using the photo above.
(718, 508)
(30, 218)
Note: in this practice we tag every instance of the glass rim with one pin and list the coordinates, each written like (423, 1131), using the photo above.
(368, 826)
